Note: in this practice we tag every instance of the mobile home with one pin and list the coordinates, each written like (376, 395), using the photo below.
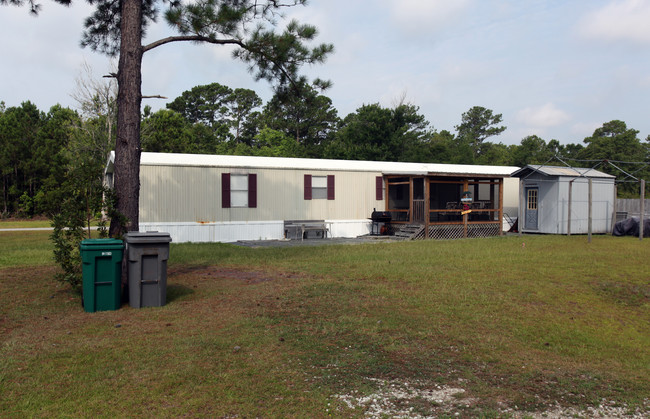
(223, 198)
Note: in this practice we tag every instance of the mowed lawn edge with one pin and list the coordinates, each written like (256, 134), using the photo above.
(524, 322)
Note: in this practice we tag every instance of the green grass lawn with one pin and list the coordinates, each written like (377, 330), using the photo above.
(294, 332)
(24, 224)
(25, 248)
(28, 223)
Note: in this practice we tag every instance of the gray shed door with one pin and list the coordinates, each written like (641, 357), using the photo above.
(531, 208)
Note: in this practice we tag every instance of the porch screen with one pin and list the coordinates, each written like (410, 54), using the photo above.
(398, 194)
(446, 206)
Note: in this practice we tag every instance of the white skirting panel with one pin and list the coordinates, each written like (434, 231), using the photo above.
(349, 228)
(228, 232)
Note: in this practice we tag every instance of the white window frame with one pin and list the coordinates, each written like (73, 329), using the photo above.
(319, 187)
(238, 190)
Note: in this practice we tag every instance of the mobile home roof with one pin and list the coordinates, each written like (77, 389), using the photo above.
(210, 160)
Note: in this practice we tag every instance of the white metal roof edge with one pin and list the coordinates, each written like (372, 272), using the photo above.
(564, 171)
(210, 160)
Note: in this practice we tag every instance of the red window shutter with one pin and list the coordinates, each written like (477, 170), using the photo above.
(330, 187)
(307, 187)
(379, 188)
(225, 190)
(252, 190)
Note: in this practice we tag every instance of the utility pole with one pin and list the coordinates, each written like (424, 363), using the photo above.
(615, 209)
(520, 219)
(642, 211)
(589, 222)
(568, 221)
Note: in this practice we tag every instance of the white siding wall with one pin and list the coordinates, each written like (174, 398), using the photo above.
(601, 211)
(226, 232)
(186, 202)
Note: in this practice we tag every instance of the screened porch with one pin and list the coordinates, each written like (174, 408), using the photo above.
(446, 206)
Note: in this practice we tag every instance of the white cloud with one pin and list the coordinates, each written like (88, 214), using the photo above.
(583, 130)
(544, 116)
(619, 20)
(417, 16)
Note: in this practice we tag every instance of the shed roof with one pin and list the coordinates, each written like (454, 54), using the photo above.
(560, 171)
(211, 160)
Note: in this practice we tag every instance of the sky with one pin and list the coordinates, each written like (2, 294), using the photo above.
(558, 69)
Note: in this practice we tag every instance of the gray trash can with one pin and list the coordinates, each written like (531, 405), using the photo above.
(147, 255)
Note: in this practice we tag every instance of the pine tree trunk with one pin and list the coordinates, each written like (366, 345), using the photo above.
(127, 145)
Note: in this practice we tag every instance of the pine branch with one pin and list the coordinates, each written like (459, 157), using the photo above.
(205, 39)
(192, 38)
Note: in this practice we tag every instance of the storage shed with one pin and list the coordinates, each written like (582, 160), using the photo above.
(557, 200)
(224, 198)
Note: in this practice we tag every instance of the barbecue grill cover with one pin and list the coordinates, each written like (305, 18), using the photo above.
(381, 216)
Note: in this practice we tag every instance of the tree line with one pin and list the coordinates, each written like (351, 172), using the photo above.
(215, 119)
(40, 150)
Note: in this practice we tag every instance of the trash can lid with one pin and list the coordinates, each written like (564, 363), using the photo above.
(147, 237)
(101, 243)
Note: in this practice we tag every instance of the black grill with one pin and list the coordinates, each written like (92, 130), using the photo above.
(381, 216)
(378, 218)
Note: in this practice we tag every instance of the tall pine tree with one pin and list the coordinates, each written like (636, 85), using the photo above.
(117, 26)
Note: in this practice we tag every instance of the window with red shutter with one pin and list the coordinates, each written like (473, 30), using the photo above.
(225, 190)
(319, 187)
(307, 187)
(330, 187)
(379, 188)
(238, 190)
(252, 190)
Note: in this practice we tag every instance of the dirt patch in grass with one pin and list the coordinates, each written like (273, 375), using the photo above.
(248, 277)
(419, 399)
(635, 295)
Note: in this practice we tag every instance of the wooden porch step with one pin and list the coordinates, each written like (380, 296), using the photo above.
(408, 231)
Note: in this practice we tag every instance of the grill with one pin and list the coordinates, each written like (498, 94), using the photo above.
(379, 217)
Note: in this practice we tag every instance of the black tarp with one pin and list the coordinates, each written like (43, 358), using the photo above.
(630, 227)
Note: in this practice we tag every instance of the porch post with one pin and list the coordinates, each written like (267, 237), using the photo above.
(465, 216)
(387, 191)
(411, 200)
(501, 183)
(427, 204)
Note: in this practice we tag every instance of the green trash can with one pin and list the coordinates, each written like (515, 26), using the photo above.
(101, 261)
